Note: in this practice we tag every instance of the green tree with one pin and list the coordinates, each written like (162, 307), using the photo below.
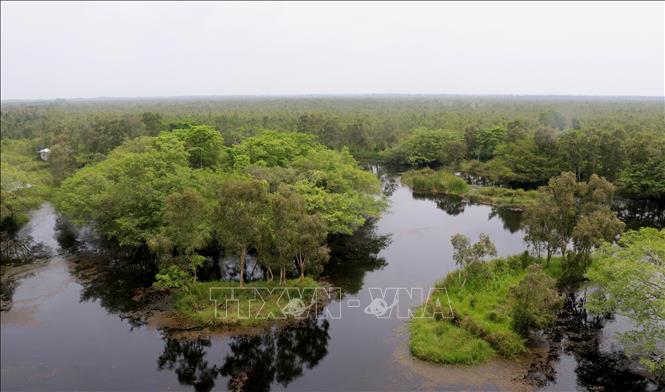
(487, 139)
(644, 174)
(629, 278)
(471, 141)
(297, 234)
(536, 301)
(571, 211)
(515, 131)
(125, 193)
(574, 148)
(541, 232)
(553, 119)
(186, 228)
(24, 183)
(428, 146)
(310, 250)
(62, 161)
(272, 148)
(238, 217)
(152, 122)
(467, 255)
(278, 234)
(186, 220)
(593, 229)
(204, 145)
(526, 163)
(545, 139)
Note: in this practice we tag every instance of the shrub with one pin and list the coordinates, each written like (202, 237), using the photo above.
(172, 278)
(536, 301)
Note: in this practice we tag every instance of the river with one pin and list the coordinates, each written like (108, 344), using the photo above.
(66, 330)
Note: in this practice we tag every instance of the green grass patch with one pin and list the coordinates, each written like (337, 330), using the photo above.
(482, 311)
(503, 197)
(194, 304)
(443, 342)
(438, 182)
(435, 182)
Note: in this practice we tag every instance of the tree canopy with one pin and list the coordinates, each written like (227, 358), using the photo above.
(176, 192)
(629, 279)
(574, 212)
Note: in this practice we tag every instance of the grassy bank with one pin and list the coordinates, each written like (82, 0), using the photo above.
(259, 304)
(482, 323)
(441, 182)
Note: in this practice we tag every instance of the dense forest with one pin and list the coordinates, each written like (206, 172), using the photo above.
(513, 141)
(273, 181)
(148, 172)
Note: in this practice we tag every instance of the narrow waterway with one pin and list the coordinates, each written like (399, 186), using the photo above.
(64, 331)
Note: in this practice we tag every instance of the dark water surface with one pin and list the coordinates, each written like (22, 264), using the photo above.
(63, 332)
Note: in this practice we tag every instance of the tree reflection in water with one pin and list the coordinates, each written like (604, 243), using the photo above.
(512, 220)
(352, 256)
(578, 334)
(254, 362)
(17, 252)
(638, 213)
(187, 359)
(452, 205)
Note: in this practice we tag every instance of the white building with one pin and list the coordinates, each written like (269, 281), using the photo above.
(44, 153)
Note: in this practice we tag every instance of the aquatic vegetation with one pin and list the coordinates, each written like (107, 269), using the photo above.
(434, 182)
(483, 310)
(444, 342)
(225, 304)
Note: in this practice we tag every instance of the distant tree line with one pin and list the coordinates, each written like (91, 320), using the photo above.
(513, 141)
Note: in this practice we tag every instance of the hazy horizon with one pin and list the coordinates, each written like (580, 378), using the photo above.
(333, 95)
(214, 50)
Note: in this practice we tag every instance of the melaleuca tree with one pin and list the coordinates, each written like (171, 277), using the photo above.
(238, 217)
(467, 255)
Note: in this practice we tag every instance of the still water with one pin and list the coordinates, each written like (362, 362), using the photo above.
(66, 331)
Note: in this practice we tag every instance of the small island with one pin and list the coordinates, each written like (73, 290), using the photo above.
(499, 305)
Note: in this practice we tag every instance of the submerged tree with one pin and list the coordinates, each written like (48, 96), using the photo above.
(239, 216)
(310, 251)
(293, 234)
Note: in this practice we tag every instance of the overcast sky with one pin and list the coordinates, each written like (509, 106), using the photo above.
(129, 49)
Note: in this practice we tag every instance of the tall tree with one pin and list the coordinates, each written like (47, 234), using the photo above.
(541, 233)
(467, 255)
(298, 235)
(487, 139)
(570, 211)
(311, 252)
(186, 221)
(240, 213)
